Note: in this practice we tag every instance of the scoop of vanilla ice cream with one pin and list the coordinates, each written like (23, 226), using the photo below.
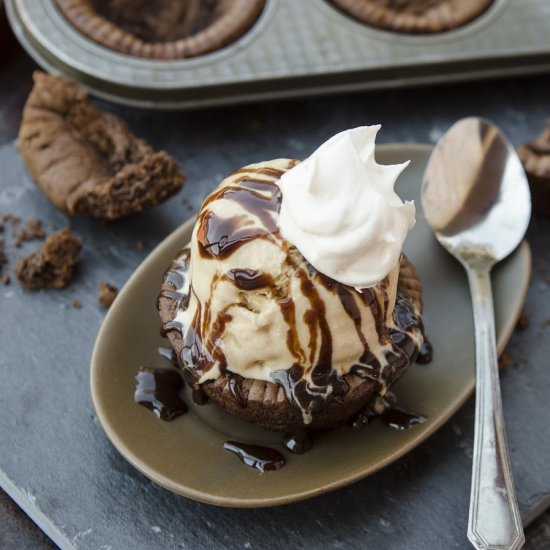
(257, 306)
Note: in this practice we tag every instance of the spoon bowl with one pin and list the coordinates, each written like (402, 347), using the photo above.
(475, 193)
(476, 199)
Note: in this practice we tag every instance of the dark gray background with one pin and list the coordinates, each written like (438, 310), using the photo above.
(54, 457)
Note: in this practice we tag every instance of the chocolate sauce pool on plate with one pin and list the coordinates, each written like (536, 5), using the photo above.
(425, 354)
(399, 419)
(299, 442)
(395, 418)
(159, 391)
(261, 458)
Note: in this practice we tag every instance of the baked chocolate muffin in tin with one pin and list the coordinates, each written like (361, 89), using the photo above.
(162, 29)
(414, 16)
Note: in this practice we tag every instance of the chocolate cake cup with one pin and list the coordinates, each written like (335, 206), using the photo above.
(414, 16)
(265, 403)
(237, 16)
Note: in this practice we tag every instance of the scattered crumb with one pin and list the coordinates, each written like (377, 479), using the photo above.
(543, 270)
(53, 264)
(6, 279)
(107, 294)
(545, 323)
(14, 220)
(33, 231)
(9, 218)
(504, 360)
(523, 321)
(3, 257)
(77, 304)
(140, 245)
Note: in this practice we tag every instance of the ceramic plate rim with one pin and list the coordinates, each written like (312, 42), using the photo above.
(236, 502)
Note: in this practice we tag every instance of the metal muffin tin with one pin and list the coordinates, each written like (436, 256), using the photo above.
(296, 48)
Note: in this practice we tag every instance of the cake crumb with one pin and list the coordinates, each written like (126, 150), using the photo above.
(107, 294)
(77, 304)
(53, 264)
(140, 245)
(3, 257)
(545, 323)
(12, 218)
(504, 360)
(523, 321)
(543, 271)
(6, 279)
(33, 231)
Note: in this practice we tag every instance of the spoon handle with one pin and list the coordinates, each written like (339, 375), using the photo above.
(494, 522)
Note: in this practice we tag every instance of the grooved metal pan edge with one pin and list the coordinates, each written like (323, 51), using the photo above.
(294, 49)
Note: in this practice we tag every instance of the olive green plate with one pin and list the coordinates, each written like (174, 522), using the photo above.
(187, 456)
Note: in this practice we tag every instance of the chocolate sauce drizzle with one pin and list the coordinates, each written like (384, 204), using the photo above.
(388, 413)
(249, 279)
(159, 391)
(399, 419)
(298, 442)
(425, 354)
(218, 238)
(261, 458)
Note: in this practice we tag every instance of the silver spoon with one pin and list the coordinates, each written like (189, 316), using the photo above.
(476, 199)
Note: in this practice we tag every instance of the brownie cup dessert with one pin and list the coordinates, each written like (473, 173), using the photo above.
(535, 156)
(293, 305)
(87, 162)
(162, 29)
(414, 16)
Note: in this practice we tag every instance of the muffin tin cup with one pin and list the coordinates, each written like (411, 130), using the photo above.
(293, 49)
(232, 23)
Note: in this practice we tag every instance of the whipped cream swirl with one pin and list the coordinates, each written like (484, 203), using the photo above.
(341, 212)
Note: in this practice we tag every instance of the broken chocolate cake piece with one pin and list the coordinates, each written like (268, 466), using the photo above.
(107, 294)
(53, 264)
(535, 156)
(87, 162)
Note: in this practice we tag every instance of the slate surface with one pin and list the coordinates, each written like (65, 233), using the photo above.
(54, 457)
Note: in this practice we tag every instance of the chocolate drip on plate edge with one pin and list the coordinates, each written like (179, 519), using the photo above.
(261, 458)
(159, 391)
